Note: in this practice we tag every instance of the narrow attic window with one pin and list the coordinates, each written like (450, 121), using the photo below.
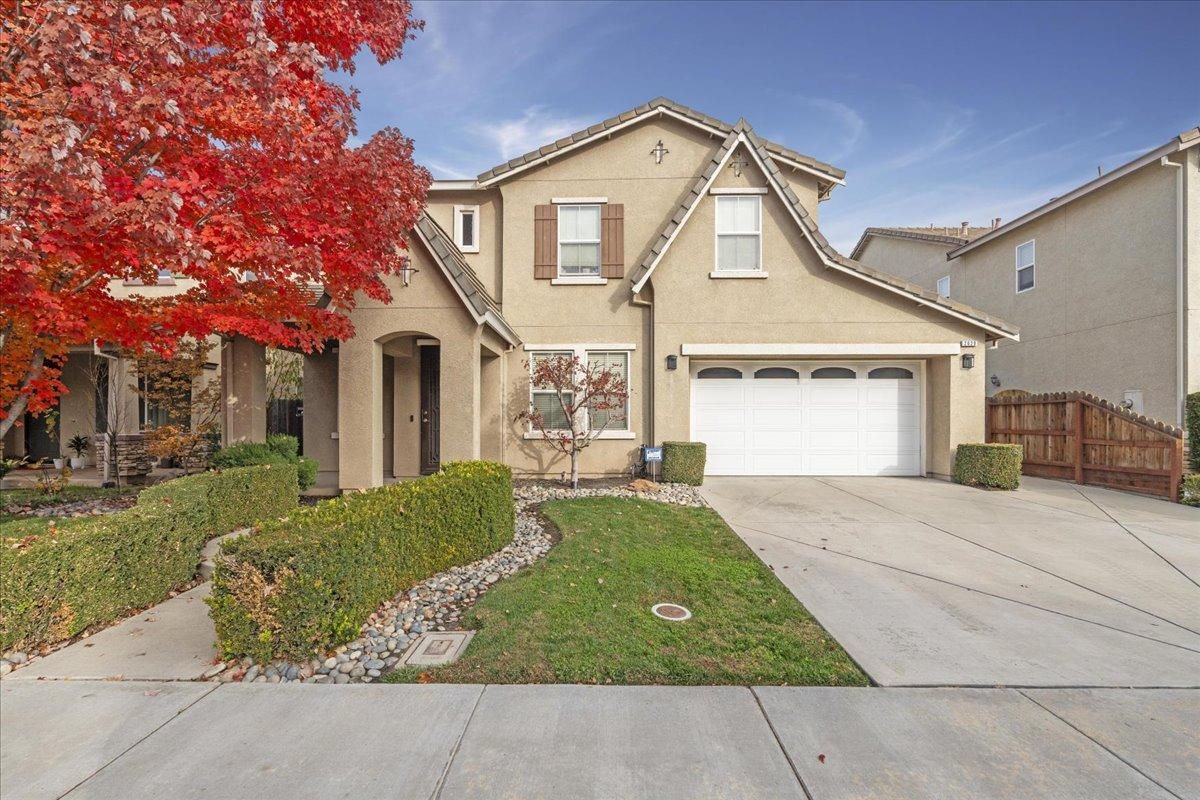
(466, 228)
(1025, 266)
(943, 286)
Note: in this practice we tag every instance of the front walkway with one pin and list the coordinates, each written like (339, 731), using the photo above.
(202, 740)
(927, 583)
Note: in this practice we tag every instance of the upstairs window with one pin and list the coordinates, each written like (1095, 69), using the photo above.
(579, 241)
(1025, 266)
(466, 228)
(739, 233)
(943, 286)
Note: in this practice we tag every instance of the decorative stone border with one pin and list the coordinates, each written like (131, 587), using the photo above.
(438, 603)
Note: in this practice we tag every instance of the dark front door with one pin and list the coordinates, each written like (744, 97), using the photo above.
(431, 427)
(41, 437)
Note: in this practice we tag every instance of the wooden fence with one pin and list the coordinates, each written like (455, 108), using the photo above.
(1079, 437)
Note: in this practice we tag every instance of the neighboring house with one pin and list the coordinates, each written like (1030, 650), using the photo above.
(685, 252)
(916, 254)
(1103, 281)
(100, 390)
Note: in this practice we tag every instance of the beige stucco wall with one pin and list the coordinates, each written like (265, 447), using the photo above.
(486, 262)
(1191, 256)
(1102, 316)
(921, 262)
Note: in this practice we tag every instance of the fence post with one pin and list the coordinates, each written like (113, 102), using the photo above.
(1079, 441)
(987, 419)
(1176, 469)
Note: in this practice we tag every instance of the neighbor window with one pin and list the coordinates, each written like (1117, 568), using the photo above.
(1025, 268)
(466, 228)
(611, 419)
(943, 286)
(545, 398)
(579, 240)
(739, 233)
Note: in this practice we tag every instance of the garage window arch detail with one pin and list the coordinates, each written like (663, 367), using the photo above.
(834, 373)
(895, 373)
(719, 372)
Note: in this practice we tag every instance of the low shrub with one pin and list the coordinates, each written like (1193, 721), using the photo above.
(683, 462)
(1191, 490)
(1192, 423)
(305, 584)
(277, 449)
(91, 571)
(997, 466)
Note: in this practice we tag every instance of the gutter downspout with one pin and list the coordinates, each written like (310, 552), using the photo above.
(1180, 322)
(649, 306)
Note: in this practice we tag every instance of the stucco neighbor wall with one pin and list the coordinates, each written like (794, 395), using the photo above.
(1191, 256)
(921, 262)
(1102, 316)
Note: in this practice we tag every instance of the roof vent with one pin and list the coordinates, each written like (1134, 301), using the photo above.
(995, 223)
(963, 227)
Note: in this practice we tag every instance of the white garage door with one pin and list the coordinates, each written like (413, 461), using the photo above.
(808, 419)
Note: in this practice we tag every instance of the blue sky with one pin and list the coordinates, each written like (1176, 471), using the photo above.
(939, 113)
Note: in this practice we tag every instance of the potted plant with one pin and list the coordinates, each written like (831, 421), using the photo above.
(79, 446)
(59, 462)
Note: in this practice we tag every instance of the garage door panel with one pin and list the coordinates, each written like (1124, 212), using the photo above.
(778, 418)
(897, 441)
(833, 392)
(811, 426)
(780, 439)
(833, 418)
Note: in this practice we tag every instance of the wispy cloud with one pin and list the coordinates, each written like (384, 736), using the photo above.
(535, 127)
(850, 119)
(953, 127)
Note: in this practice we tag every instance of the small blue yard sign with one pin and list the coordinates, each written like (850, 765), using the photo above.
(653, 454)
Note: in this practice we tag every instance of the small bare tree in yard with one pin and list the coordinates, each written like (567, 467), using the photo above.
(573, 402)
(185, 409)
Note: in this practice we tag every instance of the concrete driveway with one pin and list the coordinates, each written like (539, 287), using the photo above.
(927, 583)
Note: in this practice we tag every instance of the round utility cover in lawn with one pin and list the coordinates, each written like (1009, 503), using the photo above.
(671, 612)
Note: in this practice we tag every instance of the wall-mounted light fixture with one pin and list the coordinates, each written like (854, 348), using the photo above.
(996, 381)
(968, 360)
(672, 362)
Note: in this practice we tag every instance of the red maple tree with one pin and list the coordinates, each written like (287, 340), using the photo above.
(204, 137)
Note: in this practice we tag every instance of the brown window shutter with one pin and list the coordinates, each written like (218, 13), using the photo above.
(545, 242)
(612, 240)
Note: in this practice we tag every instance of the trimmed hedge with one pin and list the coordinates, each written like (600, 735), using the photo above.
(92, 571)
(1192, 423)
(277, 449)
(997, 466)
(683, 462)
(306, 584)
(1191, 490)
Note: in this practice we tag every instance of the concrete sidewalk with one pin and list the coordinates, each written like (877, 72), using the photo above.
(96, 739)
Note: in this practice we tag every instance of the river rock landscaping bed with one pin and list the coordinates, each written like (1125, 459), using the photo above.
(438, 603)
(76, 508)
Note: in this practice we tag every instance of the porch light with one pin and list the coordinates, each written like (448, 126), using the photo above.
(968, 360)
(672, 362)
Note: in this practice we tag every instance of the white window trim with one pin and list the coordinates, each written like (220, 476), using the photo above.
(579, 280)
(738, 190)
(741, 273)
(580, 351)
(578, 201)
(458, 231)
(945, 294)
(599, 238)
(1031, 265)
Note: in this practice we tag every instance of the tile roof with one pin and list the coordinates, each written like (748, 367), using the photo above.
(946, 235)
(654, 106)
(451, 260)
(809, 226)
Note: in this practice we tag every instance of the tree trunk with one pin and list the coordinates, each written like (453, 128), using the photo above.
(574, 469)
(17, 408)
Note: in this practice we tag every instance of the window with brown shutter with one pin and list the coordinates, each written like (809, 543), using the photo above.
(545, 242)
(612, 240)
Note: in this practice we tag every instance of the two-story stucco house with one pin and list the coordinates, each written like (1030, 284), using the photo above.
(685, 252)
(1103, 281)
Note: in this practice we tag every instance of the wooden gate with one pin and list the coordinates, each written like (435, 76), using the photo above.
(1080, 437)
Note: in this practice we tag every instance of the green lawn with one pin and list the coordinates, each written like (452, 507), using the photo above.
(582, 615)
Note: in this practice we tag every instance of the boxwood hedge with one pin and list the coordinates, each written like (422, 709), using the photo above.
(1191, 490)
(683, 462)
(277, 449)
(1192, 423)
(305, 584)
(996, 466)
(92, 571)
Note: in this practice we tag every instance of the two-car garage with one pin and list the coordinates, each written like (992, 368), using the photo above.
(808, 418)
